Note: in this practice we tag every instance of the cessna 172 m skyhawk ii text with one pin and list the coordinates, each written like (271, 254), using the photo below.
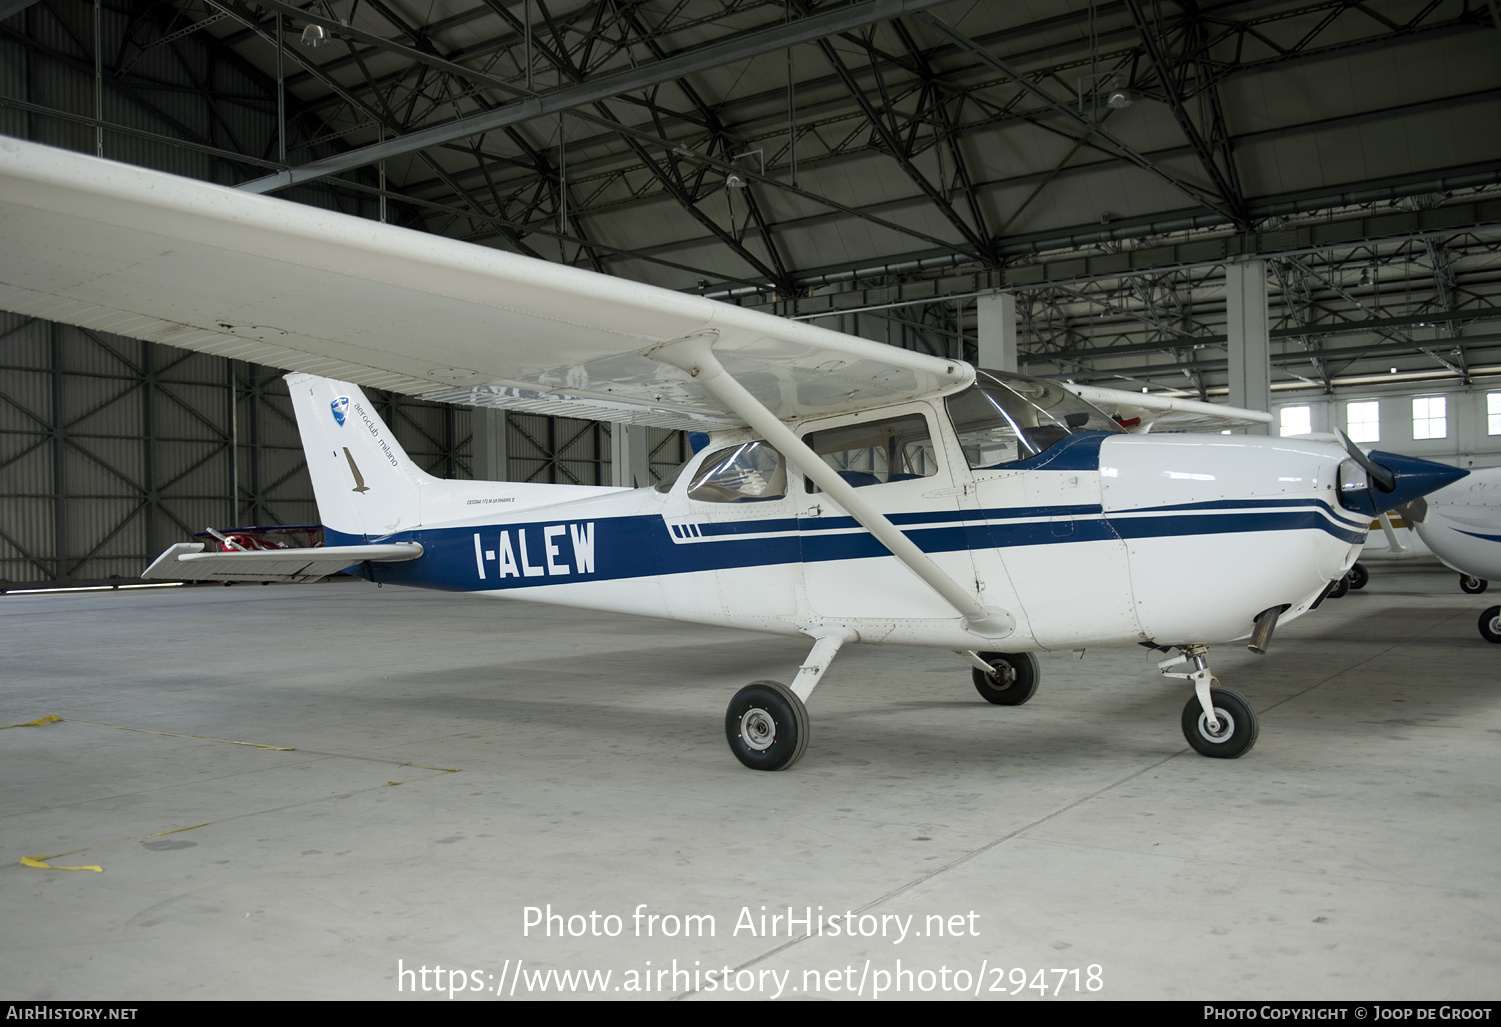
(850, 491)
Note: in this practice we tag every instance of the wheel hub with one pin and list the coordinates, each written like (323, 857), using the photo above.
(1226, 726)
(758, 729)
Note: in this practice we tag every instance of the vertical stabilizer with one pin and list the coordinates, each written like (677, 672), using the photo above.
(363, 480)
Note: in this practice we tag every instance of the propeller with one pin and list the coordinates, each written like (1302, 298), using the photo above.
(1380, 476)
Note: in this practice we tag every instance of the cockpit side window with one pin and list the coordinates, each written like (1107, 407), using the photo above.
(1005, 418)
(877, 452)
(753, 472)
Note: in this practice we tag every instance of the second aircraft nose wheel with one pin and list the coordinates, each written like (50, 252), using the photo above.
(767, 726)
(1235, 733)
(1471, 585)
(1015, 679)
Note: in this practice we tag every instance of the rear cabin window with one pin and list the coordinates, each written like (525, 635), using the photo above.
(750, 473)
(877, 452)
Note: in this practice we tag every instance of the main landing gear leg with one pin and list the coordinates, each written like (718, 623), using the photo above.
(767, 722)
(1217, 722)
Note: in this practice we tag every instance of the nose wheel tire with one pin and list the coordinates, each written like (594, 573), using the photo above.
(1471, 585)
(1340, 587)
(767, 726)
(1015, 680)
(1237, 730)
(1490, 624)
(1359, 576)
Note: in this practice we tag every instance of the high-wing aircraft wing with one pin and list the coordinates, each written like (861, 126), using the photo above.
(190, 264)
(1143, 412)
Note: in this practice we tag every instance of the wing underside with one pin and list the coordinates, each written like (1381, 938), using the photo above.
(189, 264)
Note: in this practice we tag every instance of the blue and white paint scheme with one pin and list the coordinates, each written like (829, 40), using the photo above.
(1461, 524)
(1086, 544)
(849, 492)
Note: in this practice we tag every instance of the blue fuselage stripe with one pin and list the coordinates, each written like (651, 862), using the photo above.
(530, 554)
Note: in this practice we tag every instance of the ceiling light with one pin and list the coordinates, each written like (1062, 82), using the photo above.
(315, 36)
(734, 181)
(1119, 99)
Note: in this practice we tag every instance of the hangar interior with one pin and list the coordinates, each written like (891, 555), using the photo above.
(1291, 206)
(1055, 188)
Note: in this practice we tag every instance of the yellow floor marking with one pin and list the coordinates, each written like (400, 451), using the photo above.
(39, 722)
(40, 862)
(201, 738)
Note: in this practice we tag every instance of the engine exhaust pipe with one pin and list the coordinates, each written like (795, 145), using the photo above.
(1266, 623)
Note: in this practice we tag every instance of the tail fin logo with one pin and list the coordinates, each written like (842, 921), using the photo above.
(340, 407)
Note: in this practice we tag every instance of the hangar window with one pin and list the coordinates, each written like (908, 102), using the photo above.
(877, 452)
(1297, 420)
(1493, 413)
(1363, 421)
(1430, 417)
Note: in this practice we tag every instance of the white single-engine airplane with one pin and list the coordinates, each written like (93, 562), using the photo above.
(1461, 523)
(850, 491)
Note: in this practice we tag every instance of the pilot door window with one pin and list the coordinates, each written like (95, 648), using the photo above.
(748, 473)
(877, 452)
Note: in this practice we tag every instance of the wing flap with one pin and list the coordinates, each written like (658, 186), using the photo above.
(187, 561)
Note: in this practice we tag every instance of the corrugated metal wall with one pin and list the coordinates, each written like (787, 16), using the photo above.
(112, 449)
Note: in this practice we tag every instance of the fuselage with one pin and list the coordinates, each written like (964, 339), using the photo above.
(1461, 523)
(1101, 538)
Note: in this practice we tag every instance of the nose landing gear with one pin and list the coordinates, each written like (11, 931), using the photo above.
(1217, 722)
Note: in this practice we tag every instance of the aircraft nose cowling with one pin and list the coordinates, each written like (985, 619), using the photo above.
(1415, 477)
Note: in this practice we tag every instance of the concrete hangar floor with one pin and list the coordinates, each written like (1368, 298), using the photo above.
(1074, 846)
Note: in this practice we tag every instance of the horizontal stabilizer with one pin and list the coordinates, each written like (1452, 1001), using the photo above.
(187, 561)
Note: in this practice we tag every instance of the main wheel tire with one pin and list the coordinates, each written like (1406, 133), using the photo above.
(1015, 680)
(1490, 624)
(1238, 725)
(767, 726)
(1359, 576)
(1340, 587)
(1471, 585)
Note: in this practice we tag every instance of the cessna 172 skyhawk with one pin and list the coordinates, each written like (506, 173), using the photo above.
(850, 491)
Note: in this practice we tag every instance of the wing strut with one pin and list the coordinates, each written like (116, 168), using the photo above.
(696, 356)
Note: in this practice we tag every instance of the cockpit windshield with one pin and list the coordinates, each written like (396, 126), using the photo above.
(1005, 418)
